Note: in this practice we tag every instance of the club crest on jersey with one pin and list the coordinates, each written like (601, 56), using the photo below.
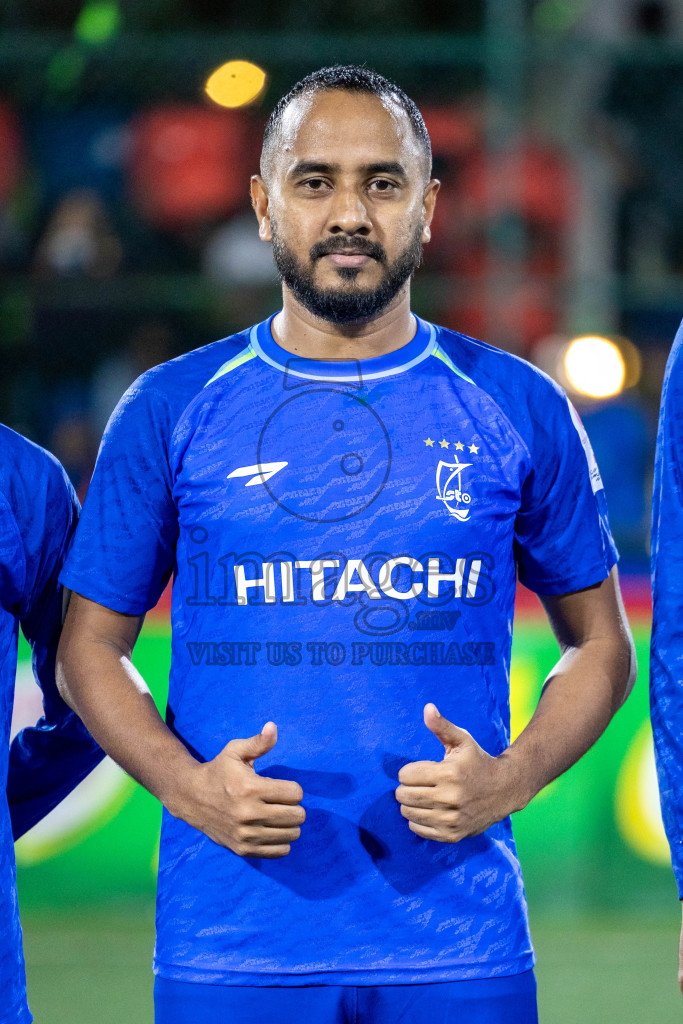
(449, 488)
(449, 485)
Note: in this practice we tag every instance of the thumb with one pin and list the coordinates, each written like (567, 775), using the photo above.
(256, 746)
(452, 736)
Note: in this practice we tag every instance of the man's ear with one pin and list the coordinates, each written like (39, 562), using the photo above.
(429, 202)
(260, 202)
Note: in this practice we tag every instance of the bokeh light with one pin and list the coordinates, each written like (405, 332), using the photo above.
(595, 367)
(235, 84)
(637, 800)
(557, 15)
(98, 22)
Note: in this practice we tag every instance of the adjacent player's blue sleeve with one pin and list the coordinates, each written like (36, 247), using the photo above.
(562, 537)
(48, 760)
(666, 653)
(124, 552)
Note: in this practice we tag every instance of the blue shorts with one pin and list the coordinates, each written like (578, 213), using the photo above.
(486, 1001)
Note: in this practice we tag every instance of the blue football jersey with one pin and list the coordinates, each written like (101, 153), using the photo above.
(666, 655)
(38, 514)
(343, 539)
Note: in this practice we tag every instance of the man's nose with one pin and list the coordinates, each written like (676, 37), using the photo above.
(348, 214)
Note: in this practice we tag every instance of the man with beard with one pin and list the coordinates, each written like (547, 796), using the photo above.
(343, 494)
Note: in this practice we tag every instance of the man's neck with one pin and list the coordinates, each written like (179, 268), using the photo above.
(299, 332)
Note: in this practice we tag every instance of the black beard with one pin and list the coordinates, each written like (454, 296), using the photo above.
(337, 305)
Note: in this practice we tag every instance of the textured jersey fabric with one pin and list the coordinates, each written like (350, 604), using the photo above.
(38, 514)
(666, 655)
(343, 539)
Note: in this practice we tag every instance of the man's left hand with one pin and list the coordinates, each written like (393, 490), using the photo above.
(460, 796)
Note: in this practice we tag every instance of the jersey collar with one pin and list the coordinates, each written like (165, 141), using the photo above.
(422, 344)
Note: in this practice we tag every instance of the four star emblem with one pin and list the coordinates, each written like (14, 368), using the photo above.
(459, 446)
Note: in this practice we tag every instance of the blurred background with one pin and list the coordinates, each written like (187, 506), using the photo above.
(126, 238)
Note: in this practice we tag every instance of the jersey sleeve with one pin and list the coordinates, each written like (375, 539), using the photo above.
(562, 536)
(48, 760)
(666, 653)
(12, 567)
(124, 552)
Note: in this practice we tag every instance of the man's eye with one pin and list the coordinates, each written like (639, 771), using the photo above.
(382, 185)
(316, 184)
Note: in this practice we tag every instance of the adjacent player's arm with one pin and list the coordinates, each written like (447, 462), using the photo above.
(666, 650)
(49, 759)
(224, 798)
(470, 790)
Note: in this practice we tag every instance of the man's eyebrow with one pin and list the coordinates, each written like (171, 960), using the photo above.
(386, 167)
(319, 167)
(312, 167)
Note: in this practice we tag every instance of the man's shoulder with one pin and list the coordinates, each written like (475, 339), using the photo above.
(24, 466)
(20, 453)
(163, 392)
(192, 370)
(505, 376)
(674, 366)
(38, 506)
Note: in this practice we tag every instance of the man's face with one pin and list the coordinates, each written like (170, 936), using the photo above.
(346, 202)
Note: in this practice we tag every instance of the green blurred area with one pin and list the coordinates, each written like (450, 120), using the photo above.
(605, 917)
(575, 855)
(95, 966)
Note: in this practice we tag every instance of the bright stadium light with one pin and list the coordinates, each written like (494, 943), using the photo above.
(235, 84)
(595, 367)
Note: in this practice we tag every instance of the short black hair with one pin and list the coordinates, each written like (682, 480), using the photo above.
(351, 78)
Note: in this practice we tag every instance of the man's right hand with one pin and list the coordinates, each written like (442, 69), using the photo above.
(253, 816)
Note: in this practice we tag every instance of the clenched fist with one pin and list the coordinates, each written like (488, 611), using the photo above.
(253, 816)
(460, 796)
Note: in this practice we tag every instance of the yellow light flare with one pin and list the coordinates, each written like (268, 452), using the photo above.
(595, 367)
(636, 798)
(633, 360)
(235, 84)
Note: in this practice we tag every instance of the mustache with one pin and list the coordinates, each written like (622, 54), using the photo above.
(350, 245)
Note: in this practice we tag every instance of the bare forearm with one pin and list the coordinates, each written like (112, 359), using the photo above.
(102, 685)
(470, 790)
(225, 798)
(580, 697)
